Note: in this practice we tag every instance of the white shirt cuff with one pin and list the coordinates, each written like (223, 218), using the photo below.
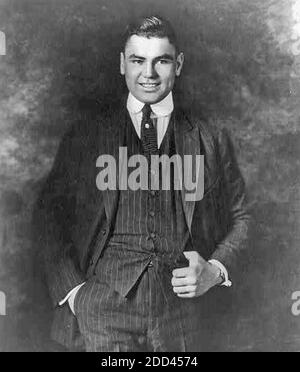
(71, 294)
(227, 282)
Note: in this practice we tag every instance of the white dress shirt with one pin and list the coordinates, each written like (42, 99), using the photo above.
(161, 114)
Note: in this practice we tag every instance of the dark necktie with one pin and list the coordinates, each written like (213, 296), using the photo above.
(148, 132)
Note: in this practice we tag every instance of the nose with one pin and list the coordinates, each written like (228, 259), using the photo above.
(149, 70)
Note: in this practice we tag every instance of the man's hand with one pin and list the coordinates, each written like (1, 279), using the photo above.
(197, 278)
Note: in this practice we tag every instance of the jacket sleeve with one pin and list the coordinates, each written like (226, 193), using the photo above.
(53, 217)
(230, 249)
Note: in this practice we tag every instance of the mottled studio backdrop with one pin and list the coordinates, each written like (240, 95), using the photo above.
(242, 68)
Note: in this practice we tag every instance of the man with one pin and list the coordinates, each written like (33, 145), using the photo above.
(128, 270)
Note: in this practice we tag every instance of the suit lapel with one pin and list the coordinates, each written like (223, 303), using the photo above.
(187, 141)
(112, 138)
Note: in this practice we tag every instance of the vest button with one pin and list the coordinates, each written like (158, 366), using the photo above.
(103, 232)
(152, 235)
(147, 126)
(152, 213)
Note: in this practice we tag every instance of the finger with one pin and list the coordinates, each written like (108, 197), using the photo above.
(194, 258)
(178, 282)
(185, 289)
(182, 272)
(187, 295)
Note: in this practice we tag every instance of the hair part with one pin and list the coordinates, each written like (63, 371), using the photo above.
(152, 26)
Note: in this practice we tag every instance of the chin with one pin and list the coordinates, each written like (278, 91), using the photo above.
(151, 99)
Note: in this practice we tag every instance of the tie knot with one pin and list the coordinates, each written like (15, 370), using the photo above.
(147, 111)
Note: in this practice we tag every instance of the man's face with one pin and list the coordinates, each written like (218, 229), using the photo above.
(150, 67)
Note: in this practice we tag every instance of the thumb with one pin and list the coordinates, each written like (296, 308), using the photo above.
(193, 257)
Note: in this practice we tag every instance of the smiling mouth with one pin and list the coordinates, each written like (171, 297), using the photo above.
(149, 85)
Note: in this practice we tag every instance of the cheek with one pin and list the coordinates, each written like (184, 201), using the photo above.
(170, 81)
(130, 79)
(131, 76)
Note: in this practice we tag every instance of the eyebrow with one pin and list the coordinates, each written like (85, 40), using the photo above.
(164, 56)
(134, 56)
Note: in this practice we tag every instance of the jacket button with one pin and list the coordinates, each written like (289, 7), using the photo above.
(103, 232)
(150, 264)
(91, 262)
(141, 340)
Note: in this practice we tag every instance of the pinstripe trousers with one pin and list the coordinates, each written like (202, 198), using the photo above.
(150, 318)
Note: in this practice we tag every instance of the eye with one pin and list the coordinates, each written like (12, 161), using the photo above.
(137, 61)
(164, 61)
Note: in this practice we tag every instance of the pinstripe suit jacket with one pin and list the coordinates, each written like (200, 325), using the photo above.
(71, 211)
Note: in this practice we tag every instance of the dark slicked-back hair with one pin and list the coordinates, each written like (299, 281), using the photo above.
(152, 26)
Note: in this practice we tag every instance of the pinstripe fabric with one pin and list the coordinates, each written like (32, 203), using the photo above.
(128, 298)
(147, 320)
(148, 223)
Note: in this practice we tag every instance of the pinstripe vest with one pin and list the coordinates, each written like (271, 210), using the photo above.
(149, 225)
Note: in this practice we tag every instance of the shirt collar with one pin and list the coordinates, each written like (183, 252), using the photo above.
(162, 108)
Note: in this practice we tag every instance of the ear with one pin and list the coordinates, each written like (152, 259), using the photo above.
(122, 63)
(179, 63)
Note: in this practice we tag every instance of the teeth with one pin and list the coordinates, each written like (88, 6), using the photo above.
(149, 85)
